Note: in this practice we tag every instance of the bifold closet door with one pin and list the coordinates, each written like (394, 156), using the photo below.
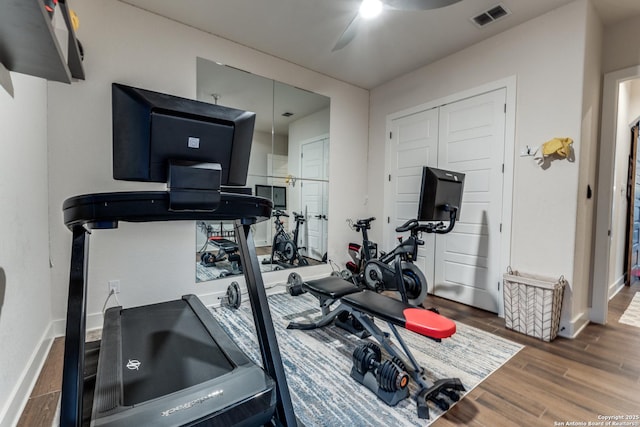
(471, 137)
(414, 144)
(466, 136)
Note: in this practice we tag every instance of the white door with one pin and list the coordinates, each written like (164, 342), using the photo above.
(471, 140)
(464, 136)
(313, 191)
(414, 144)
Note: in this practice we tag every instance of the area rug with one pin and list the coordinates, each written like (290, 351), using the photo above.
(317, 364)
(225, 268)
(631, 315)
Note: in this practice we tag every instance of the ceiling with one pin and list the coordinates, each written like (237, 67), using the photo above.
(304, 31)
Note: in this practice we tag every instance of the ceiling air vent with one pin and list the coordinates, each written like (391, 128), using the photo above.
(491, 15)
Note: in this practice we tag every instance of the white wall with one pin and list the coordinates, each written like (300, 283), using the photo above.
(262, 147)
(25, 312)
(547, 55)
(123, 44)
(312, 126)
(634, 101)
(620, 45)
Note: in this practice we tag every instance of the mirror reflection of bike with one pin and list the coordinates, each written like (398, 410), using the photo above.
(285, 252)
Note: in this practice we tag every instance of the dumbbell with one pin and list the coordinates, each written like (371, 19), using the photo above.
(390, 376)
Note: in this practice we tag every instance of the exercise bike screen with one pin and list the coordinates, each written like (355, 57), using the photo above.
(165, 348)
(439, 188)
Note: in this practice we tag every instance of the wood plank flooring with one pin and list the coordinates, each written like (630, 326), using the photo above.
(42, 404)
(564, 381)
(545, 384)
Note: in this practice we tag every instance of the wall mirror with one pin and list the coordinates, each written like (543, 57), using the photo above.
(289, 164)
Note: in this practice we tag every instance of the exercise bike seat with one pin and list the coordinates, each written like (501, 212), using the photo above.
(418, 320)
(331, 287)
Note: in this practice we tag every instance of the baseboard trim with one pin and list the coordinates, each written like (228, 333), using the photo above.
(572, 329)
(20, 395)
(616, 287)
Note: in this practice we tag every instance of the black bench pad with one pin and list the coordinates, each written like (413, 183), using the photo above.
(332, 287)
(226, 245)
(419, 320)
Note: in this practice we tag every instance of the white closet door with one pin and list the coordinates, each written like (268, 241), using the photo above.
(471, 140)
(414, 144)
(313, 190)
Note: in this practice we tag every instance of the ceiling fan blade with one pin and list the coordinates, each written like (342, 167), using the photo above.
(418, 4)
(348, 34)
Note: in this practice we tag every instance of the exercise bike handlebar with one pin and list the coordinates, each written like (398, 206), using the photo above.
(439, 228)
(279, 212)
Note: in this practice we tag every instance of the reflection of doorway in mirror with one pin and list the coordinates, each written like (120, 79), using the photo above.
(313, 195)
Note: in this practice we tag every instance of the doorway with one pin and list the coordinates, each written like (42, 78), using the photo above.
(632, 267)
(620, 108)
(314, 187)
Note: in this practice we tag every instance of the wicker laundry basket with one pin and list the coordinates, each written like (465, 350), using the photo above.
(532, 304)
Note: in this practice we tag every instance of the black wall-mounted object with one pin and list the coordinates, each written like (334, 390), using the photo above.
(439, 188)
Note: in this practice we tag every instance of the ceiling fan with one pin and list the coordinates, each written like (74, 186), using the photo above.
(370, 8)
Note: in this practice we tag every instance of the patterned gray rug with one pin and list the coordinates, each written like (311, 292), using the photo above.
(317, 364)
(631, 315)
(225, 268)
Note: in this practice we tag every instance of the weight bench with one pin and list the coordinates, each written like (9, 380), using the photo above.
(388, 380)
(327, 290)
(227, 250)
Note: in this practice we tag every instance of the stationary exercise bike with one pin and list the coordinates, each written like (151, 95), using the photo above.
(284, 250)
(395, 270)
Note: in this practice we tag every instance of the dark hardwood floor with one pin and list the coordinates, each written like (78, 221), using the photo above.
(545, 384)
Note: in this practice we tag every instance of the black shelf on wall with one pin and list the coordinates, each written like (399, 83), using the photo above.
(28, 44)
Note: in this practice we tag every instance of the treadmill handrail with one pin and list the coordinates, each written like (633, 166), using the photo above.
(105, 210)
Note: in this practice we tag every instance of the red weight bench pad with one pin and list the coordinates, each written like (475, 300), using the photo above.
(418, 320)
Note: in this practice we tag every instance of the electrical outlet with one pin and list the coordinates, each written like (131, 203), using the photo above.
(114, 285)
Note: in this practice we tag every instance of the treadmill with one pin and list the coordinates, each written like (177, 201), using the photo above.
(170, 363)
(203, 374)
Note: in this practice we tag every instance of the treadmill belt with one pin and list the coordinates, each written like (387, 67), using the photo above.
(166, 349)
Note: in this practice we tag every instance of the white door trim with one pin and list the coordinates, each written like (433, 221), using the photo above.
(510, 84)
(604, 192)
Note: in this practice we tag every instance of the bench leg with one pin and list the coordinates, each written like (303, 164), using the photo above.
(324, 321)
(448, 387)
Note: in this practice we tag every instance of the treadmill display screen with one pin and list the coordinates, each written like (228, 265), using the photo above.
(166, 348)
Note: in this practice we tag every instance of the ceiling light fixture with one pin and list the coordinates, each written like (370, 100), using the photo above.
(369, 9)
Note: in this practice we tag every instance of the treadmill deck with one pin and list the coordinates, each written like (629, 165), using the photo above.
(171, 364)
